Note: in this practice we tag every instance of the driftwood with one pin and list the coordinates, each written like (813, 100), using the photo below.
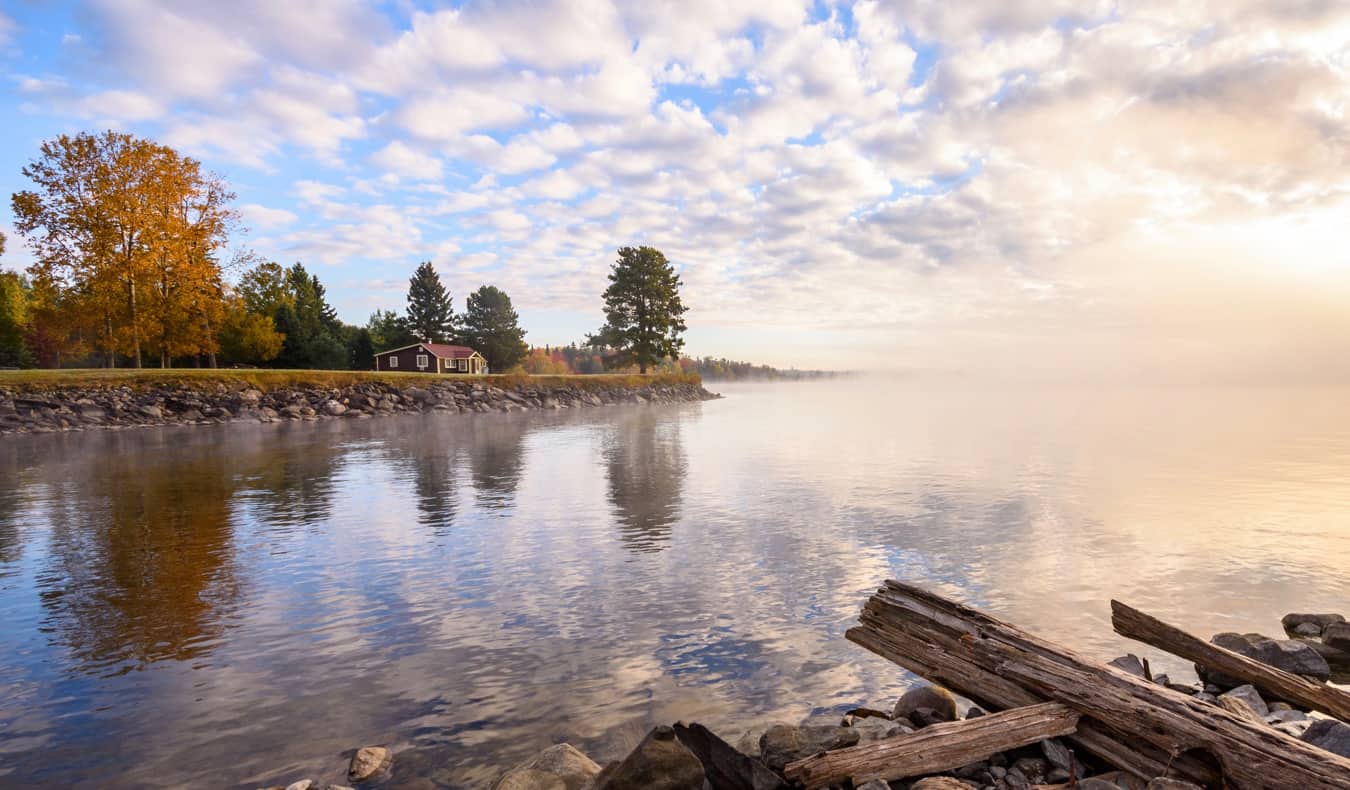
(1282, 685)
(933, 632)
(938, 747)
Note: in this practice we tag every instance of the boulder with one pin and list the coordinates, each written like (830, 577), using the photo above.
(783, 743)
(873, 729)
(368, 761)
(935, 698)
(574, 769)
(1248, 694)
(529, 779)
(250, 397)
(1337, 636)
(1239, 707)
(1329, 734)
(1291, 655)
(1293, 621)
(724, 767)
(151, 411)
(334, 409)
(660, 762)
(1130, 663)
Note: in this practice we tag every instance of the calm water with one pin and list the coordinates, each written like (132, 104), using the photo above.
(240, 606)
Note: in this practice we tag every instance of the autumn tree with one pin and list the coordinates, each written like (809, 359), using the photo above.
(644, 316)
(125, 230)
(490, 325)
(430, 316)
(14, 320)
(245, 336)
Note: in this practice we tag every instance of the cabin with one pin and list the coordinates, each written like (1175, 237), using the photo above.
(431, 358)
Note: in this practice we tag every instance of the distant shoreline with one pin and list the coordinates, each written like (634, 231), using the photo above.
(64, 401)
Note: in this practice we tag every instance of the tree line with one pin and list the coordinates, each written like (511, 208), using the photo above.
(129, 239)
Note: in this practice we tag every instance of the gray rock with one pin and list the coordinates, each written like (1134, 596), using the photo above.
(1337, 636)
(1291, 655)
(1307, 629)
(783, 743)
(564, 761)
(1282, 716)
(935, 698)
(1329, 734)
(151, 411)
(528, 779)
(1293, 620)
(250, 397)
(1033, 768)
(873, 729)
(1251, 696)
(1239, 707)
(660, 762)
(875, 784)
(334, 408)
(748, 743)
(368, 761)
(1130, 663)
(723, 766)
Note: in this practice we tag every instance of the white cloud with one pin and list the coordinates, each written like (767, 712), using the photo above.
(402, 159)
(263, 218)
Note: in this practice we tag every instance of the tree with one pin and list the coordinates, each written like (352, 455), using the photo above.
(247, 337)
(490, 326)
(14, 319)
(264, 288)
(429, 316)
(361, 350)
(644, 316)
(387, 330)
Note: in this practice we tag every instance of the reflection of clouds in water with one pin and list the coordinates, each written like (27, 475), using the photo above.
(479, 587)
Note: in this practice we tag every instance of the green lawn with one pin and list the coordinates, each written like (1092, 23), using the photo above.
(266, 379)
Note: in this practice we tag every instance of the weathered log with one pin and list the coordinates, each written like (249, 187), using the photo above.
(938, 747)
(1279, 684)
(929, 658)
(1249, 754)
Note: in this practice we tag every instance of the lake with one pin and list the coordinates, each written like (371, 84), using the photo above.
(242, 605)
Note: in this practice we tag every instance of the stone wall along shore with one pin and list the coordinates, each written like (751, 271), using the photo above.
(207, 403)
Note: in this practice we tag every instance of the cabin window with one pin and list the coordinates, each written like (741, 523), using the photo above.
(422, 361)
(393, 362)
(464, 364)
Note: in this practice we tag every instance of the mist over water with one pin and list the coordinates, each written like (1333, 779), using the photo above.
(240, 605)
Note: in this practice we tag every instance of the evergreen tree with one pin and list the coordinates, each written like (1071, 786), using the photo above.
(387, 331)
(430, 316)
(644, 316)
(361, 352)
(491, 327)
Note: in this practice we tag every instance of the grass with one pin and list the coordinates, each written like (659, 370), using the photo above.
(267, 380)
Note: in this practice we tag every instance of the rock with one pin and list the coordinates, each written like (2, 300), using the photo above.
(660, 762)
(1239, 707)
(1307, 629)
(1163, 783)
(303, 784)
(1294, 729)
(923, 717)
(748, 743)
(975, 712)
(1290, 655)
(1337, 635)
(1249, 695)
(875, 784)
(151, 411)
(368, 761)
(1057, 754)
(1115, 780)
(723, 766)
(250, 397)
(1282, 716)
(1293, 621)
(939, 783)
(935, 698)
(783, 743)
(873, 729)
(1130, 663)
(529, 779)
(565, 762)
(1329, 734)
(334, 409)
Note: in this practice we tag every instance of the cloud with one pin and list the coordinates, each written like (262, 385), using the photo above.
(402, 159)
(264, 218)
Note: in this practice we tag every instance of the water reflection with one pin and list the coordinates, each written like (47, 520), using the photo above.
(238, 607)
(645, 465)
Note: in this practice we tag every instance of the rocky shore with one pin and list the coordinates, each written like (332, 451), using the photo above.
(207, 403)
(688, 756)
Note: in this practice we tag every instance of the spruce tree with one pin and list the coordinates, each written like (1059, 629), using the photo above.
(429, 316)
(644, 316)
(491, 327)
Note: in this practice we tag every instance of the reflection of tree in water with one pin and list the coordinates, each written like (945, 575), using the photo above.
(431, 457)
(292, 480)
(496, 460)
(141, 561)
(646, 466)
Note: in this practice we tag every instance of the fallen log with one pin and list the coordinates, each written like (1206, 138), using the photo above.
(1249, 755)
(1132, 623)
(938, 747)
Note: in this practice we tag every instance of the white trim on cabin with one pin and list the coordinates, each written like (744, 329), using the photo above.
(423, 361)
(393, 362)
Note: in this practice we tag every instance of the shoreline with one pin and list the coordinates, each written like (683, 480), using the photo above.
(59, 403)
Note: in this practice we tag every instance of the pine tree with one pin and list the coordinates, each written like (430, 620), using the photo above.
(361, 353)
(430, 316)
(644, 316)
(491, 327)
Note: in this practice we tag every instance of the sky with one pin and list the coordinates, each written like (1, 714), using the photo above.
(1079, 189)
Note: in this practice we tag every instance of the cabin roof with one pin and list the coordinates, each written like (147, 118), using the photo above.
(441, 350)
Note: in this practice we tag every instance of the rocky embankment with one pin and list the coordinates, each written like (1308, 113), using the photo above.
(89, 408)
(691, 757)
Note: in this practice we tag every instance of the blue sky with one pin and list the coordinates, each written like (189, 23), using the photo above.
(911, 184)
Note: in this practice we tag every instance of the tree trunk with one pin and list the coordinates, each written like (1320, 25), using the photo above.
(1274, 682)
(939, 747)
(1251, 755)
(135, 323)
